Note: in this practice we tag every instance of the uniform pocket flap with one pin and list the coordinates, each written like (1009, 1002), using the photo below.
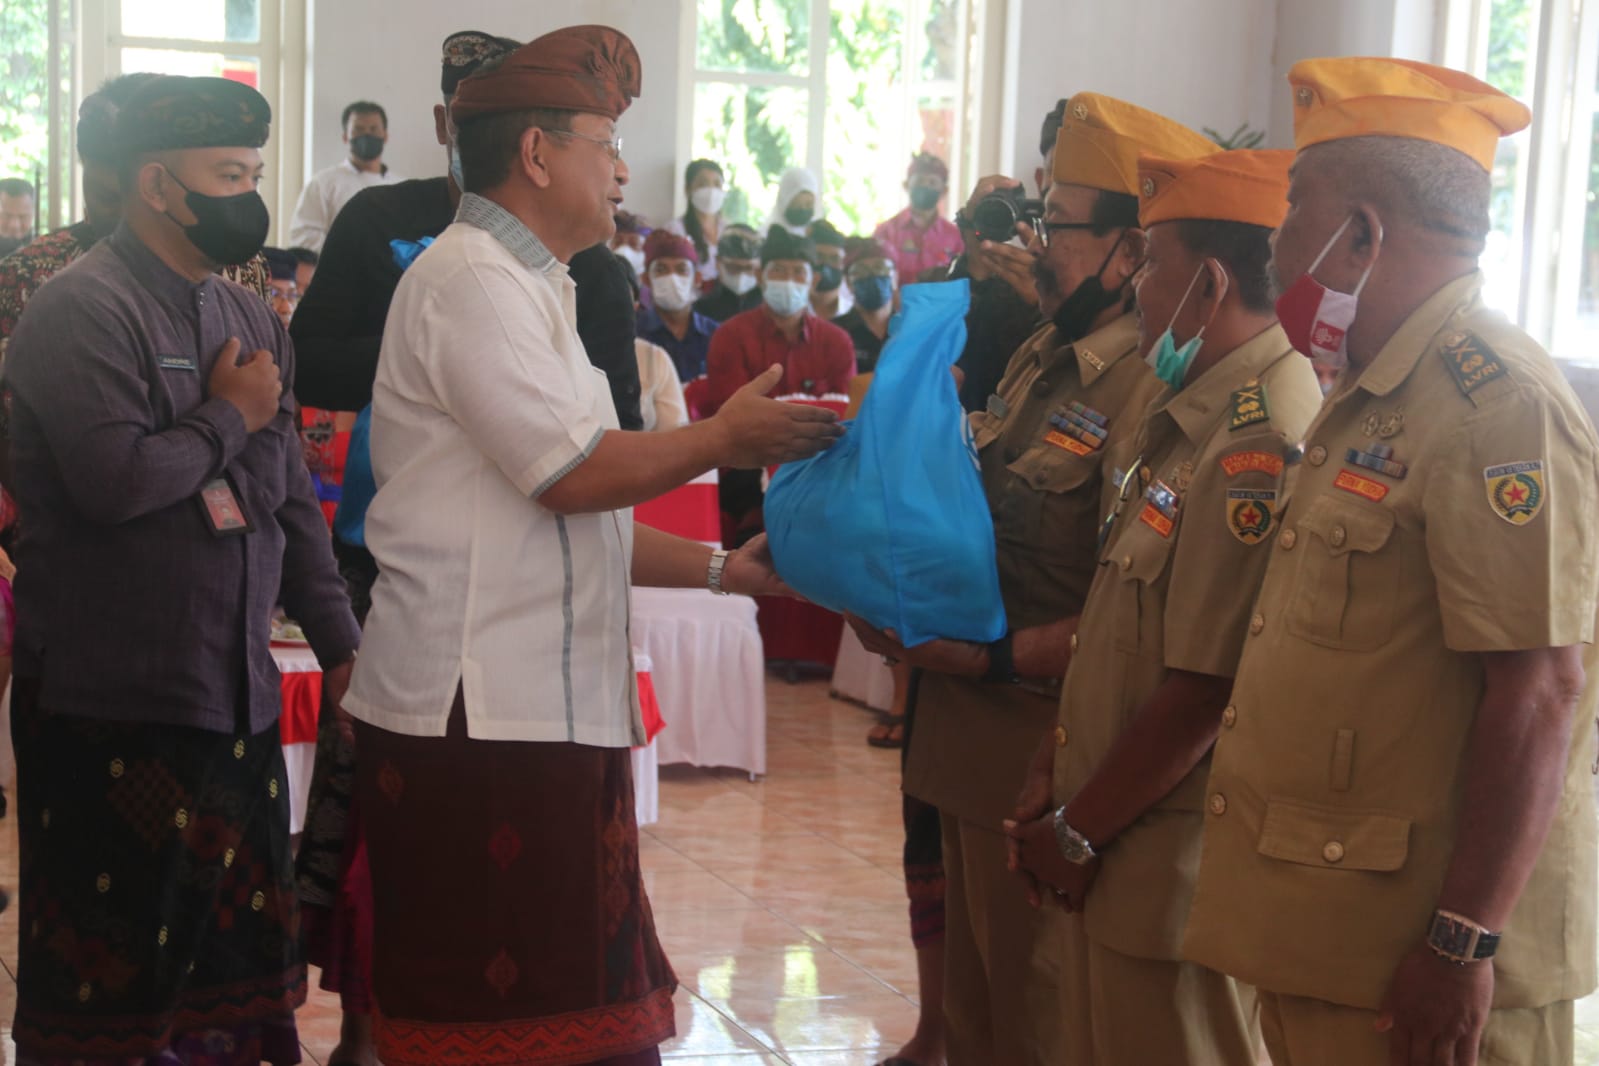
(1333, 838)
(1050, 467)
(1346, 526)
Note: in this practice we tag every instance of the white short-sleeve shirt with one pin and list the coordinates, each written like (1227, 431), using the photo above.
(325, 195)
(485, 398)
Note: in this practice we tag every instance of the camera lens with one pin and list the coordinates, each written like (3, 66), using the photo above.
(994, 218)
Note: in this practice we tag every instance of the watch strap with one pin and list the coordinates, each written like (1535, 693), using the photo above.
(1001, 662)
(1458, 939)
(1074, 847)
(713, 574)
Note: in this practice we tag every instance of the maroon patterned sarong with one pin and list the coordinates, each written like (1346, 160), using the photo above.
(511, 924)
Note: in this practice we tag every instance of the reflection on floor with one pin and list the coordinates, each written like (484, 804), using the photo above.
(780, 903)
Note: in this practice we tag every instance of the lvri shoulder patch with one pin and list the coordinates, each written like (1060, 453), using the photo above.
(1516, 491)
(1249, 406)
(1471, 362)
(1250, 514)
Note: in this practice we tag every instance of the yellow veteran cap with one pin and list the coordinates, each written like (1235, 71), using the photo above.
(1239, 186)
(1361, 97)
(1100, 138)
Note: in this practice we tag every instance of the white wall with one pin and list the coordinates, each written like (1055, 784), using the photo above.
(1213, 63)
(388, 51)
(1310, 28)
(1204, 63)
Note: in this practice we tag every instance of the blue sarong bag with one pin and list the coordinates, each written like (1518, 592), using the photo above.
(891, 524)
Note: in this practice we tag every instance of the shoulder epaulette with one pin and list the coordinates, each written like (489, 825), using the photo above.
(1471, 362)
(1249, 406)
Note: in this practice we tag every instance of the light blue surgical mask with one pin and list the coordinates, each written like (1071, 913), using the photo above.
(456, 174)
(1170, 362)
(786, 297)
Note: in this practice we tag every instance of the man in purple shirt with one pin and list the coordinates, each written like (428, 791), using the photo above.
(169, 510)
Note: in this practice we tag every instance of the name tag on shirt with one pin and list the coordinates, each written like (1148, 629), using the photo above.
(224, 516)
(179, 362)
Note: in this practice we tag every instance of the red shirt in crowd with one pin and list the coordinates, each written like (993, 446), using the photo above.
(915, 249)
(821, 360)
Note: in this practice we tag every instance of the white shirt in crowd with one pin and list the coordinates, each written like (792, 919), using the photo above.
(325, 195)
(660, 392)
(484, 399)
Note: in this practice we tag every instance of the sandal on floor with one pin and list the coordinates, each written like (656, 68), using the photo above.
(889, 733)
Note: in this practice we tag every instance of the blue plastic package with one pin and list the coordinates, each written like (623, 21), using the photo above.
(891, 524)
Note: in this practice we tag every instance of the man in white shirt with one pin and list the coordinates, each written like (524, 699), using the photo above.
(366, 132)
(496, 698)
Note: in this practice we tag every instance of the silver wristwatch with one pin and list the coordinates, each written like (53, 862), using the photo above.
(713, 576)
(1074, 847)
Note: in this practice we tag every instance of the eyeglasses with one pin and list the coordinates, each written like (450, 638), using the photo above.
(1046, 228)
(613, 148)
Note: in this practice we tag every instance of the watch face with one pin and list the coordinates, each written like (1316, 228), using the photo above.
(1452, 937)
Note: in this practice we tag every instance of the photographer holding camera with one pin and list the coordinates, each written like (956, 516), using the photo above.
(1004, 309)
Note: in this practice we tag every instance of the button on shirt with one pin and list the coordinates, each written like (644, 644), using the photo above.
(1174, 591)
(325, 195)
(1454, 514)
(820, 361)
(688, 352)
(128, 608)
(484, 399)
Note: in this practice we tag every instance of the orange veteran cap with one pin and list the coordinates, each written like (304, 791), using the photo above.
(1100, 138)
(1244, 185)
(1362, 97)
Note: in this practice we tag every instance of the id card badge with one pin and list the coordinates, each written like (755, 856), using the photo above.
(224, 516)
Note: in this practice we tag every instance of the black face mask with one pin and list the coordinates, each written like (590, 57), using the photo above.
(828, 278)
(227, 229)
(925, 197)
(1075, 316)
(798, 216)
(366, 147)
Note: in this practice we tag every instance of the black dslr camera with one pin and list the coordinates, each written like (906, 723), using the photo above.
(995, 216)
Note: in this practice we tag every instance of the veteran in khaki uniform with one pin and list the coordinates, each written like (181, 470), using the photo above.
(1069, 394)
(1404, 782)
(1166, 618)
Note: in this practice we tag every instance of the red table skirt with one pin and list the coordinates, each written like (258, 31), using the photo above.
(796, 631)
(302, 703)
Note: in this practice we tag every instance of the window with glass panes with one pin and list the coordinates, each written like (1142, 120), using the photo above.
(258, 43)
(1541, 263)
(851, 89)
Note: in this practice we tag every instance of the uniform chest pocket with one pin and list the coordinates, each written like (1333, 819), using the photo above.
(1348, 572)
(1139, 558)
(1047, 467)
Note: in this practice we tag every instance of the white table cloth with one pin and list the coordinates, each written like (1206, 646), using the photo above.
(710, 676)
(861, 676)
(300, 758)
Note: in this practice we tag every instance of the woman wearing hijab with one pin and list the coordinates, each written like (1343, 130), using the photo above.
(799, 201)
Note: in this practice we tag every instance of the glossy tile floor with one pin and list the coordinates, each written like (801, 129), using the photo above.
(780, 903)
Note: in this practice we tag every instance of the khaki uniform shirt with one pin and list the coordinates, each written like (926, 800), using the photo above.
(1043, 466)
(1175, 589)
(1445, 507)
